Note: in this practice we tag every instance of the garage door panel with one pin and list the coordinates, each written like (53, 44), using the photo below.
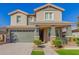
(23, 36)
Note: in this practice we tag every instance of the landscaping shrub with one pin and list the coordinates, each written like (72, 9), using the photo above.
(77, 41)
(37, 42)
(57, 42)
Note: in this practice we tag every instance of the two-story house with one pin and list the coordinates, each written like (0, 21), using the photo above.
(45, 24)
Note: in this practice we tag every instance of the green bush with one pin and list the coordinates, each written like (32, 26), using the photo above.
(57, 42)
(37, 42)
(77, 41)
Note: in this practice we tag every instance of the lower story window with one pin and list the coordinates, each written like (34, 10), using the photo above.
(49, 32)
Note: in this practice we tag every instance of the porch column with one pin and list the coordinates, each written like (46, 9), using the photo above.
(53, 34)
(5, 38)
(69, 33)
(36, 33)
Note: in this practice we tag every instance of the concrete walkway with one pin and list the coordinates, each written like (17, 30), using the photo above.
(48, 50)
(16, 49)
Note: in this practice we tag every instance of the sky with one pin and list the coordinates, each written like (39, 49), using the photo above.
(70, 14)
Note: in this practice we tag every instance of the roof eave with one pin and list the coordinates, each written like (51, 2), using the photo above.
(13, 12)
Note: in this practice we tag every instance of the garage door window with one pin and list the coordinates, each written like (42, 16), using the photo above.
(22, 30)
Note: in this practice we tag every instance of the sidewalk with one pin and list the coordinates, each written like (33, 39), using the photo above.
(48, 50)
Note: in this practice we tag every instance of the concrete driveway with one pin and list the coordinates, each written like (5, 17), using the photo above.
(16, 49)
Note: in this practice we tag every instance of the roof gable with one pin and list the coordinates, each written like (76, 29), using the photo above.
(46, 5)
(14, 12)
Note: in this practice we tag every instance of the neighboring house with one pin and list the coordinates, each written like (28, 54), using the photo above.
(75, 33)
(45, 24)
(3, 34)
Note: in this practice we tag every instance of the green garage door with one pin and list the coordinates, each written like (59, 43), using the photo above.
(20, 36)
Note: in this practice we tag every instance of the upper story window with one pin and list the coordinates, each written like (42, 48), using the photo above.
(49, 15)
(31, 19)
(18, 19)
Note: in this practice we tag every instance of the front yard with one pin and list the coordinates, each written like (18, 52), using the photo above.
(37, 52)
(68, 51)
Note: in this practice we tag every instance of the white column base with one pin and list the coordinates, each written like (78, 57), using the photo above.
(53, 36)
(68, 36)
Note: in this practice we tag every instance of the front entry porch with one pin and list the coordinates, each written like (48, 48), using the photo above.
(48, 32)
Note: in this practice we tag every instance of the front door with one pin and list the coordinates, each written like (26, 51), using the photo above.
(41, 34)
(44, 35)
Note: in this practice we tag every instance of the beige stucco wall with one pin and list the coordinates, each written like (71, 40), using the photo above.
(14, 19)
(40, 15)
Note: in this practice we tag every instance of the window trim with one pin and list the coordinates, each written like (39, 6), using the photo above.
(61, 17)
(48, 19)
